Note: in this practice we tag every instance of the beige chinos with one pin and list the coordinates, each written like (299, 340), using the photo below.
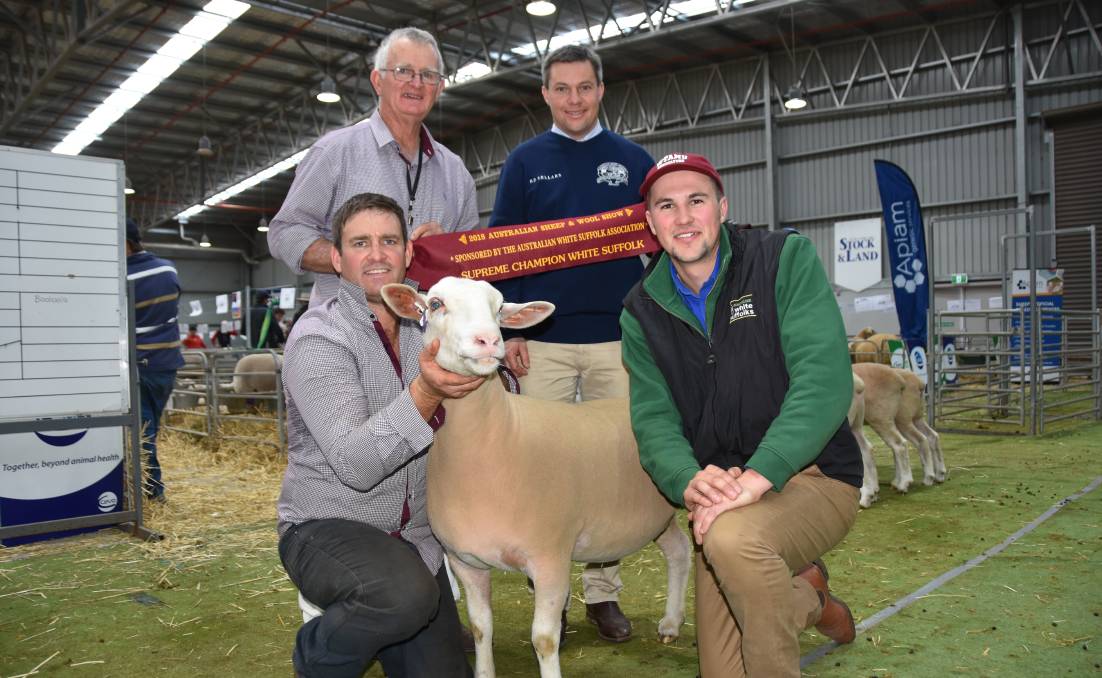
(750, 609)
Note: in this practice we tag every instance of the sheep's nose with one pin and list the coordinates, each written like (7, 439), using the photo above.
(487, 340)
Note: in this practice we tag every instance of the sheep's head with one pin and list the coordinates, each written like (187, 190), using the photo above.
(466, 316)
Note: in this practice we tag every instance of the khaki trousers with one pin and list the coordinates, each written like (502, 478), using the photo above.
(750, 609)
(595, 371)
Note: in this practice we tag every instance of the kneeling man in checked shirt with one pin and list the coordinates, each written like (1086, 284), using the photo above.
(363, 400)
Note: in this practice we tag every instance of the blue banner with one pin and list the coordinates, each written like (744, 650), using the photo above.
(906, 245)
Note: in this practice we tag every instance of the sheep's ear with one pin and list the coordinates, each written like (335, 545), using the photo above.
(519, 316)
(404, 300)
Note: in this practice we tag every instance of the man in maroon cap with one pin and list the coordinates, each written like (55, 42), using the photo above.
(740, 383)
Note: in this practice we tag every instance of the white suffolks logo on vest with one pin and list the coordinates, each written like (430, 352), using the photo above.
(742, 308)
(612, 173)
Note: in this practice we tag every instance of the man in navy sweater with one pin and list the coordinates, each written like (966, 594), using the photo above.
(157, 339)
(576, 169)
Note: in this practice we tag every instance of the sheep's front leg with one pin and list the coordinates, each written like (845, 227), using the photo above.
(476, 583)
(941, 474)
(678, 551)
(552, 582)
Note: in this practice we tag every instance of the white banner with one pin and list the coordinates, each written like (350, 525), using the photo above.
(857, 253)
(287, 297)
(55, 463)
(877, 302)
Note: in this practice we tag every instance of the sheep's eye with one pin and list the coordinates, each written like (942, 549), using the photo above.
(435, 305)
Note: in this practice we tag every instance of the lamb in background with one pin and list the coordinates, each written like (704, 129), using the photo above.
(872, 346)
(863, 351)
(894, 407)
(257, 373)
(516, 483)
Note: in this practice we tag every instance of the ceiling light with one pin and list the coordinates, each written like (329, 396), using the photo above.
(328, 92)
(245, 184)
(472, 71)
(204, 149)
(540, 8)
(212, 20)
(262, 225)
(128, 189)
(204, 241)
(795, 98)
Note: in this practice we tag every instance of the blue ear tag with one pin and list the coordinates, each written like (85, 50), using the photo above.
(424, 320)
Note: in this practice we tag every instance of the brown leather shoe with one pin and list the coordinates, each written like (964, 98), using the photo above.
(611, 623)
(836, 621)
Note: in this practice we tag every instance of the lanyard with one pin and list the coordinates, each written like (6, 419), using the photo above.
(412, 184)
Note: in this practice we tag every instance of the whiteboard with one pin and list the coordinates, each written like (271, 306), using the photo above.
(63, 312)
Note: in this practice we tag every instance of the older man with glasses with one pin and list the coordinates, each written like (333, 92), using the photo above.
(392, 153)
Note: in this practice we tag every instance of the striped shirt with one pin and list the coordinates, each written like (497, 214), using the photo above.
(366, 158)
(358, 443)
(156, 305)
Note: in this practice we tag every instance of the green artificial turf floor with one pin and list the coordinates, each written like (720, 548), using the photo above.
(212, 599)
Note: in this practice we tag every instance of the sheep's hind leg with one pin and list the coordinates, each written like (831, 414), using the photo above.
(678, 551)
(898, 445)
(915, 437)
(476, 583)
(870, 485)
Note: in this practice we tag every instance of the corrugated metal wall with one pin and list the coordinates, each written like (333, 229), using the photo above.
(957, 143)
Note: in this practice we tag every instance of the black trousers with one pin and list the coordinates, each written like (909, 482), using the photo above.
(380, 602)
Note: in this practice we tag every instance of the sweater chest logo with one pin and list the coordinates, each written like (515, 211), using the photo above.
(545, 177)
(612, 173)
(742, 308)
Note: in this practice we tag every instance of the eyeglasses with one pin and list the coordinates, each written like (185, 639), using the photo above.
(403, 74)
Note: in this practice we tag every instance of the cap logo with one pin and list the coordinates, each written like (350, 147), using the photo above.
(671, 159)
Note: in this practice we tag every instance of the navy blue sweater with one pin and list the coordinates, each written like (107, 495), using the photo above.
(157, 298)
(553, 177)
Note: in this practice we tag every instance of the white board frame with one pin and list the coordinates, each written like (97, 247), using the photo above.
(34, 179)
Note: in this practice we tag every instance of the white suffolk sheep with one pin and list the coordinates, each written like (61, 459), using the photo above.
(528, 485)
(256, 373)
(895, 408)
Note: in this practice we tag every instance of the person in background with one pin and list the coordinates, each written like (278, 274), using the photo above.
(577, 168)
(193, 339)
(262, 310)
(157, 340)
(219, 339)
(278, 330)
(392, 153)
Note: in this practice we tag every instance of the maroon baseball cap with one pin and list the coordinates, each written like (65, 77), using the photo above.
(677, 162)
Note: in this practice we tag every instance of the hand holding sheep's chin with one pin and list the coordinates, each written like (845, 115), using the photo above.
(516, 356)
(752, 485)
(435, 384)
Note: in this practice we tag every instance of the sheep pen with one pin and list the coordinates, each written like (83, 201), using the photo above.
(212, 599)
